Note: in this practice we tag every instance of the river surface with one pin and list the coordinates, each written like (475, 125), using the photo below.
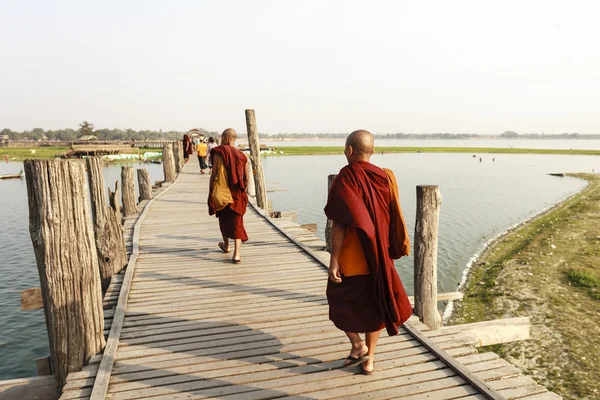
(23, 336)
(481, 199)
(583, 144)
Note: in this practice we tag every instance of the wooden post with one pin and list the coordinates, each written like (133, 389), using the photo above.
(259, 176)
(329, 223)
(128, 187)
(251, 189)
(113, 199)
(63, 242)
(180, 151)
(178, 156)
(110, 245)
(168, 163)
(144, 184)
(429, 201)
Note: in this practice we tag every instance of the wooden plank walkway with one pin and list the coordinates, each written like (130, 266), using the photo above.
(198, 326)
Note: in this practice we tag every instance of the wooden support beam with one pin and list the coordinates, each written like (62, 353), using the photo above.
(144, 184)
(493, 332)
(309, 227)
(251, 189)
(108, 233)
(259, 176)
(329, 223)
(31, 299)
(59, 224)
(178, 155)
(114, 199)
(168, 163)
(128, 191)
(429, 201)
(44, 366)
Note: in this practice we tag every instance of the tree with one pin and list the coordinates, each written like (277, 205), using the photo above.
(509, 134)
(86, 128)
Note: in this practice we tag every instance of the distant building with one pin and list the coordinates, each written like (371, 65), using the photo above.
(87, 138)
(4, 140)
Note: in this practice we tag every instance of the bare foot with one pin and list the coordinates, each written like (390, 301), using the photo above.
(368, 366)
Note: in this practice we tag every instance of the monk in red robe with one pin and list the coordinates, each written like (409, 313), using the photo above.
(364, 290)
(230, 165)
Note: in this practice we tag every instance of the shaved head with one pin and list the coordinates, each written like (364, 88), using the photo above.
(228, 136)
(362, 143)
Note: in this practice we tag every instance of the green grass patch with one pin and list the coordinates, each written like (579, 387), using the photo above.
(50, 153)
(584, 279)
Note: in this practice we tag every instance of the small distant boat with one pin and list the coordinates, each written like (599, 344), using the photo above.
(13, 176)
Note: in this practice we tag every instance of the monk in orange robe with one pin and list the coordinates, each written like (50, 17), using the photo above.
(231, 218)
(364, 292)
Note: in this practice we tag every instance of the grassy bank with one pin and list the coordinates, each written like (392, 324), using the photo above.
(549, 270)
(308, 150)
(48, 153)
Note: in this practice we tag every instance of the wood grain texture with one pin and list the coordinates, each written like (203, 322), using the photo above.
(144, 184)
(429, 201)
(259, 176)
(168, 160)
(108, 234)
(128, 191)
(63, 242)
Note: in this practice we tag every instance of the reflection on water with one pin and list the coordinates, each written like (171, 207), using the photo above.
(23, 335)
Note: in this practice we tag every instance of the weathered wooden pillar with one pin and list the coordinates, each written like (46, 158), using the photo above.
(128, 193)
(259, 176)
(144, 184)
(168, 162)
(178, 155)
(429, 201)
(113, 199)
(329, 223)
(110, 245)
(251, 189)
(63, 242)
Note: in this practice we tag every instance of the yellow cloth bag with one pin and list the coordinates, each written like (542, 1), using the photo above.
(221, 195)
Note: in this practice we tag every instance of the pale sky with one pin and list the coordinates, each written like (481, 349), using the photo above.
(304, 66)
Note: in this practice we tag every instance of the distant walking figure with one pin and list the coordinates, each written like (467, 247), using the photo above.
(227, 196)
(364, 290)
(187, 148)
(479, 159)
(202, 150)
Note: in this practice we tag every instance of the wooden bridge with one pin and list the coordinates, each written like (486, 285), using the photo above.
(190, 324)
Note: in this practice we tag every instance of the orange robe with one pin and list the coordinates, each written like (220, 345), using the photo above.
(364, 198)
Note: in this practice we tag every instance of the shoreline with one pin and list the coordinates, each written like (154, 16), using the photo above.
(23, 153)
(548, 269)
(488, 247)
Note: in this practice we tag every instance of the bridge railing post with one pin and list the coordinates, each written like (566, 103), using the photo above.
(110, 245)
(168, 162)
(128, 191)
(429, 201)
(144, 184)
(59, 225)
(259, 176)
(329, 223)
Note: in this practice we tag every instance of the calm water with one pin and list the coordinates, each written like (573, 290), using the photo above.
(23, 336)
(586, 144)
(480, 200)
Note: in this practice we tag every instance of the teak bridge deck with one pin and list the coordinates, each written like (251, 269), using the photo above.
(190, 324)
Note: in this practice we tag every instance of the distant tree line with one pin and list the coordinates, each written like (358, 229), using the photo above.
(87, 128)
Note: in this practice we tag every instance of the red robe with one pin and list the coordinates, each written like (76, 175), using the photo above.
(231, 218)
(360, 197)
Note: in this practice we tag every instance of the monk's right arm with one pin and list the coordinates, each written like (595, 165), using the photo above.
(338, 234)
